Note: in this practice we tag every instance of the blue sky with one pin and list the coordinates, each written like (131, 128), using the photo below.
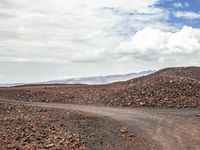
(45, 40)
(172, 6)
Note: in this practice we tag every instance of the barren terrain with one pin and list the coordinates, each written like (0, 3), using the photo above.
(158, 111)
(167, 88)
(168, 129)
(25, 126)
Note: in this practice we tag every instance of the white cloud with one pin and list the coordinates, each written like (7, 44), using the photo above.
(89, 56)
(152, 43)
(180, 5)
(59, 30)
(186, 41)
(161, 60)
(83, 36)
(187, 15)
(145, 41)
(177, 5)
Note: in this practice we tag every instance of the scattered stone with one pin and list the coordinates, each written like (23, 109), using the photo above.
(49, 146)
(123, 130)
(131, 136)
(142, 103)
(130, 103)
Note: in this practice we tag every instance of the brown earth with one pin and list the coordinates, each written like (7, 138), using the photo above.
(30, 128)
(189, 72)
(59, 123)
(100, 127)
(167, 88)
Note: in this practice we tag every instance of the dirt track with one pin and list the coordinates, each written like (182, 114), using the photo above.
(172, 128)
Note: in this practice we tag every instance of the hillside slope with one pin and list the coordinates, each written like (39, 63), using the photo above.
(188, 72)
(171, 87)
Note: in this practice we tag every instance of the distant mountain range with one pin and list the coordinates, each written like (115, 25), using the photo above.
(101, 79)
(11, 84)
(90, 80)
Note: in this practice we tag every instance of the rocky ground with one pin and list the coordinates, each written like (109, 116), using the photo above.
(25, 127)
(168, 88)
(102, 128)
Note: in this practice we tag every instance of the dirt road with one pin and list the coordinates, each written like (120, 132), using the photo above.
(173, 129)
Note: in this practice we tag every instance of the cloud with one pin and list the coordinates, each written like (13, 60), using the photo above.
(81, 34)
(187, 15)
(150, 43)
(88, 56)
(59, 30)
(180, 5)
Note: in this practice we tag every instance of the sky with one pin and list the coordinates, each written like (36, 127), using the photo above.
(56, 39)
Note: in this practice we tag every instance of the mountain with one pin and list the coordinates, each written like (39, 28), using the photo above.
(89, 80)
(10, 85)
(101, 79)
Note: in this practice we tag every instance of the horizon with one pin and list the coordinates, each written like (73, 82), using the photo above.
(58, 39)
(81, 77)
(95, 76)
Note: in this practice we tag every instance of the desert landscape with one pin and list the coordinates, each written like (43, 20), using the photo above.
(99, 75)
(157, 111)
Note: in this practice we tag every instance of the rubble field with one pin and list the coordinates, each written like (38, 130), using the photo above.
(167, 88)
(30, 128)
(25, 127)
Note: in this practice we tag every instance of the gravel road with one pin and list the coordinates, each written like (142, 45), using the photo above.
(172, 129)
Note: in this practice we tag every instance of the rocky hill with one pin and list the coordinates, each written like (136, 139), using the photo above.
(171, 87)
(188, 72)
